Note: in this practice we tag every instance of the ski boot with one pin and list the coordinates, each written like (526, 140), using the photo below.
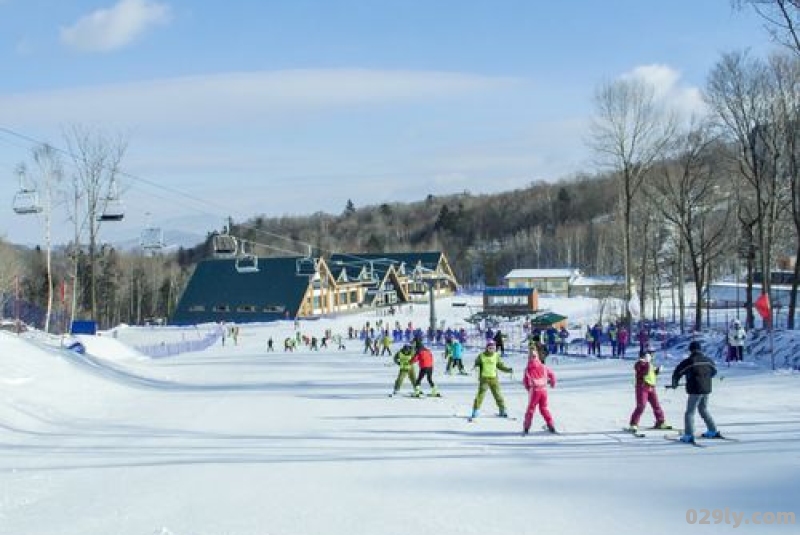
(662, 425)
(712, 434)
(503, 413)
(689, 439)
(552, 429)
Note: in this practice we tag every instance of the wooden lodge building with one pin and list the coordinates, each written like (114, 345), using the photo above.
(274, 288)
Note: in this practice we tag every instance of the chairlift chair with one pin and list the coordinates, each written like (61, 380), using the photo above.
(306, 267)
(246, 261)
(112, 211)
(26, 201)
(225, 246)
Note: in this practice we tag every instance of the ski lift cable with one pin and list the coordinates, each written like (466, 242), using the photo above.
(120, 173)
(171, 190)
(183, 194)
(308, 246)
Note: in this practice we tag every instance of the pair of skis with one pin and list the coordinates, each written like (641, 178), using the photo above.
(639, 434)
(695, 443)
(437, 395)
(511, 418)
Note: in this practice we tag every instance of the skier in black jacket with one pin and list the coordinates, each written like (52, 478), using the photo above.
(698, 370)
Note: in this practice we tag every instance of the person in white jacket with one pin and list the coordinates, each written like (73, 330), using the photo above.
(736, 338)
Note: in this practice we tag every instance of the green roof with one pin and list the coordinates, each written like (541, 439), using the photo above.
(548, 318)
(218, 292)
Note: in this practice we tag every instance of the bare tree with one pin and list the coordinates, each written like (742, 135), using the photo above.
(97, 160)
(741, 91)
(629, 132)
(786, 72)
(691, 194)
(10, 265)
(781, 18)
(46, 174)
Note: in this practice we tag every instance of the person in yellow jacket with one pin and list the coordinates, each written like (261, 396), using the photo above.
(403, 359)
(488, 363)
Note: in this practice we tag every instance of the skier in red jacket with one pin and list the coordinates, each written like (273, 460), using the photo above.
(424, 358)
(536, 379)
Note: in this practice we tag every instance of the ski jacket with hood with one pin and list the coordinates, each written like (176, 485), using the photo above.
(538, 376)
(698, 370)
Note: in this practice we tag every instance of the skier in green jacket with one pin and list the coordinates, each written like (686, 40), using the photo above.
(403, 359)
(488, 363)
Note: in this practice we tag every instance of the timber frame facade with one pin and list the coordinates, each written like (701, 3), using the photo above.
(280, 289)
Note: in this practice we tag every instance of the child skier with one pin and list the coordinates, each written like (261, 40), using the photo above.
(646, 373)
(424, 358)
(403, 359)
(536, 379)
(736, 338)
(488, 363)
(454, 350)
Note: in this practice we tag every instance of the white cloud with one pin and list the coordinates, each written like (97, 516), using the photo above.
(115, 27)
(237, 98)
(668, 86)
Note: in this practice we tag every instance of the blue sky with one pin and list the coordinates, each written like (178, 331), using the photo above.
(270, 107)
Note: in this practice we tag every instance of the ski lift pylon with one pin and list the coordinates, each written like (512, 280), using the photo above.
(152, 239)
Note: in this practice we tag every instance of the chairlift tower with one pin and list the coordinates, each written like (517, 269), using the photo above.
(152, 238)
(430, 278)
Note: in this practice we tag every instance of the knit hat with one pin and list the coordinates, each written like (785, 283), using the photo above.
(694, 346)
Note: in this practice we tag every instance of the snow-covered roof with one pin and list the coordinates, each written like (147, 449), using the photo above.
(565, 273)
(599, 281)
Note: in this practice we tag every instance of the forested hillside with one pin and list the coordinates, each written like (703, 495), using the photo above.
(562, 224)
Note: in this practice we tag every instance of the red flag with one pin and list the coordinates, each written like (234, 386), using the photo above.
(763, 308)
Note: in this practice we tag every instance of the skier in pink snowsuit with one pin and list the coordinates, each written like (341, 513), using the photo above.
(536, 379)
(646, 373)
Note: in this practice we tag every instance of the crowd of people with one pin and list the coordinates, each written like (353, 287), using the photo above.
(696, 370)
(415, 361)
